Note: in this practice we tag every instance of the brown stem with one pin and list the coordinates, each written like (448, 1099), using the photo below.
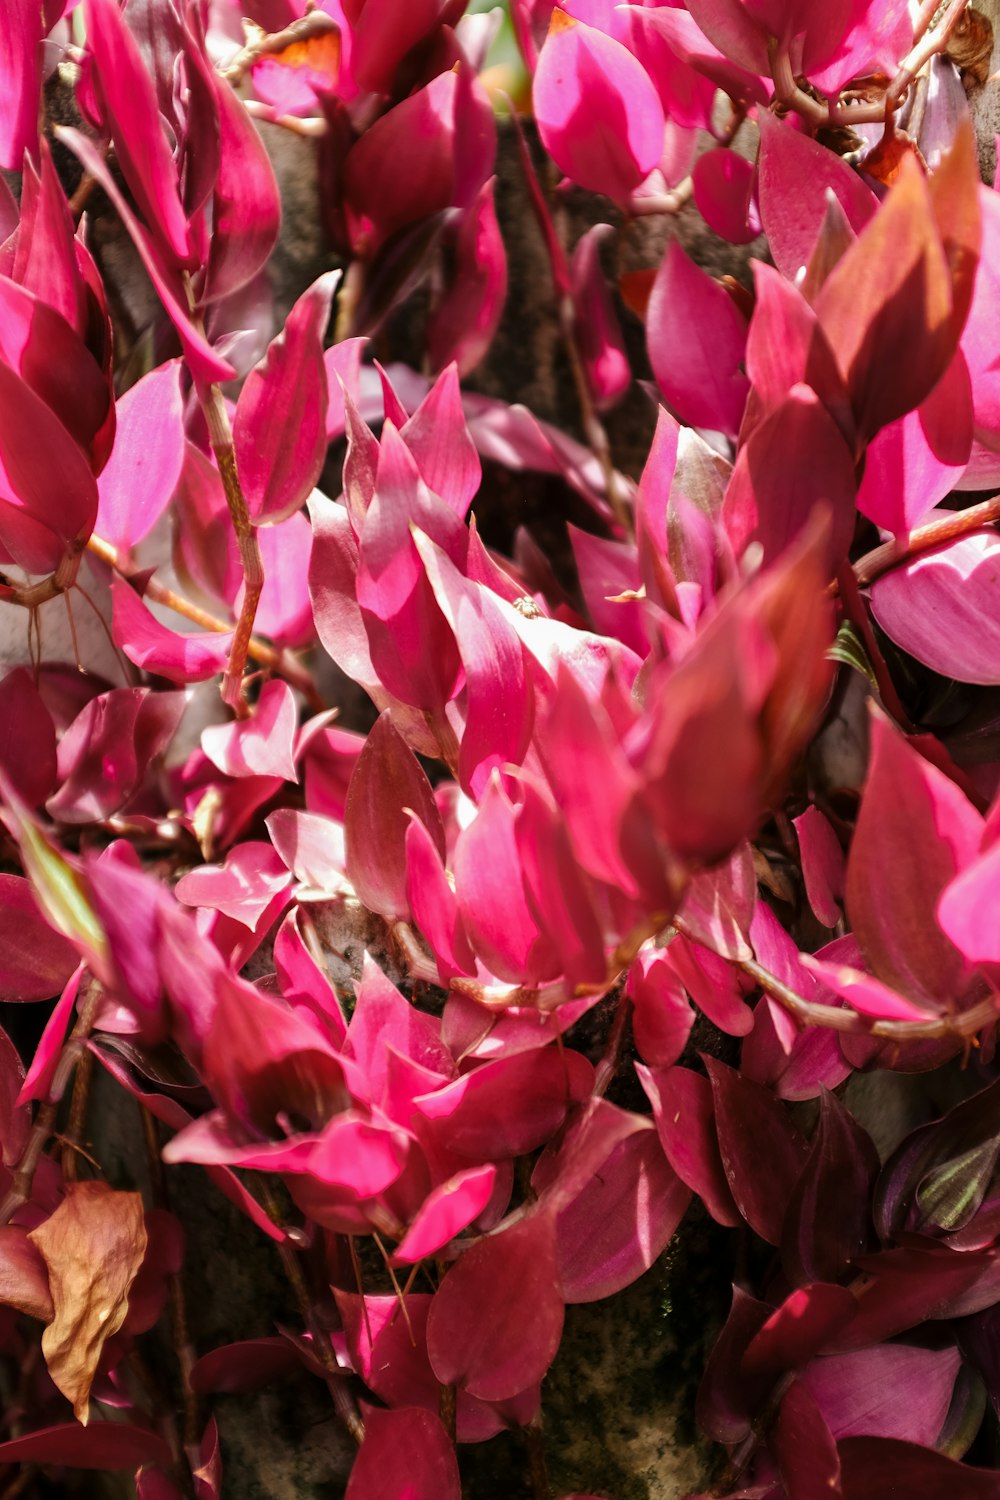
(24, 1173)
(281, 662)
(74, 1134)
(179, 1325)
(343, 1401)
(538, 1469)
(811, 1013)
(448, 1410)
(594, 429)
(944, 529)
(221, 437)
(881, 110)
(611, 1056)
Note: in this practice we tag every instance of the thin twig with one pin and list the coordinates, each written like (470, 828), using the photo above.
(74, 1134)
(179, 1325)
(538, 1471)
(944, 529)
(343, 1401)
(281, 662)
(812, 1013)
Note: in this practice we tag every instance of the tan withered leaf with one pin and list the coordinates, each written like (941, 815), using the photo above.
(93, 1245)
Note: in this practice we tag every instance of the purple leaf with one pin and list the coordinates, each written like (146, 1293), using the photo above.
(497, 1317)
(35, 960)
(872, 1467)
(762, 1152)
(828, 1220)
(101, 1445)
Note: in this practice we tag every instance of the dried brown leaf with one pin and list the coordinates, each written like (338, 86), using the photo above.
(93, 1246)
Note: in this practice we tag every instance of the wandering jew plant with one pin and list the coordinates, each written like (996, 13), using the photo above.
(590, 924)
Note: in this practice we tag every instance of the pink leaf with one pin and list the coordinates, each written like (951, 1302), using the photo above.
(387, 781)
(463, 321)
(621, 1221)
(434, 906)
(966, 906)
(248, 887)
(438, 438)
(795, 175)
(280, 425)
(445, 1212)
(724, 190)
(911, 465)
(406, 1453)
(35, 960)
(45, 477)
(508, 1107)
(888, 1391)
(202, 360)
(129, 98)
(169, 653)
(661, 1015)
(27, 738)
(915, 832)
(20, 81)
(101, 1445)
(106, 753)
(140, 477)
(261, 745)
(762, 1151)
(497, 1317)
(598, 331)
(685, 1124)
(688, 310)
(823, 865)
(941, 607)
(598, 113)
(246, 209)
(311, 846)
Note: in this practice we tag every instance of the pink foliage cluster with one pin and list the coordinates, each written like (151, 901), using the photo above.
(613, 803)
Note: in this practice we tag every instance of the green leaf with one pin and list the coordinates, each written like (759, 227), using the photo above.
(848, 648)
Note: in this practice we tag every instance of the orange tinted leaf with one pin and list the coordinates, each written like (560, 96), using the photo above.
(93, 1246)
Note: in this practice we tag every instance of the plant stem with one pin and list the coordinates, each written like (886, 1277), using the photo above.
(934, 534)
(179, 1326)
(343, 1401)
(281, 662)
(74, 1134)
(538, 1469)
(220, 435)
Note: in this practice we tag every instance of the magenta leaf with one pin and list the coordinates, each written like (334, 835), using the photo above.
(598, 113)
(261, 745)
(464, 320)
(106, 753)
(724, 190)
(823, 865)
(661, 1014)
(246, 210)
(434, 906)
(508, 1107)
(497, 1317)
(598, 331)
(405, 1452)
(445, 1212)
(35, 960)
(688, 310)
(387, 781)
(891, 1391)
(871, 1466)
(941, 608)
(795, 175)
(685, 1123)
(915, 832)
(27, 738)
(804, 1448)
(181, 657)
(819, 1244)
(101, 1445)
(279, 429)
(129, 99)
(139, 479)
(20, 81)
